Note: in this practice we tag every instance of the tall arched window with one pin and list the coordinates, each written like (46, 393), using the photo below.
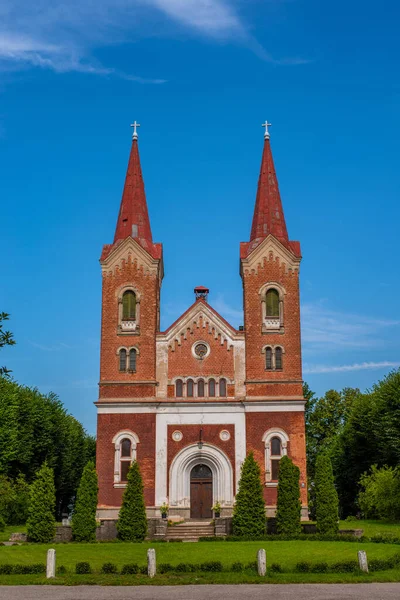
(278, 358)
(122, 359)
(126, 459)
(129, 306)
(211, 388)
(179, 388)
(276, 455)
(268, 358)
(189, 388)
(222, 387)
(132, 360)
(200, 388)
(272, 303)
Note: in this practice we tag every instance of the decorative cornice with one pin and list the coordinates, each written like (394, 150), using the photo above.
(269, 249)
(130, 249)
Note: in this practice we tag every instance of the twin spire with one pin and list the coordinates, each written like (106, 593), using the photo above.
(133, 219)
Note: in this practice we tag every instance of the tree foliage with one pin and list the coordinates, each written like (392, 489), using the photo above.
(84, 517)
(380, 493)
(35, 428)
(14, 499)
(132, 521)
(326, 498)
(249, 511)
(41, 523)
(288, 509)
(6, 339)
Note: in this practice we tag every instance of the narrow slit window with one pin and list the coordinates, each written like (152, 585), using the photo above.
(222, 387)
(272, 303)
(200, 388)
(126, 458)
(122, 359)
(179, 388)
(278, 358)
(190, 388)
(268, 359)
(132, 360)
(211, 388)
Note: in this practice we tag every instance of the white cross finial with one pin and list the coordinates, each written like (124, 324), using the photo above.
(266, 133)
(135, 125)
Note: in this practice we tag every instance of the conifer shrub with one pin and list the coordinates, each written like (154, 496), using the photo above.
(237, 567)
(276, 568)
(41, 523)
(109, 568)
(84, 516)
(326, 498)
(165, 568)
(288, 508)
(214, 566)
(132, 522)
(249, 511)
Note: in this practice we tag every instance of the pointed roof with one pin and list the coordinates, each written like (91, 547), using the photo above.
(268, 212)
(268, 218)
(133, 218)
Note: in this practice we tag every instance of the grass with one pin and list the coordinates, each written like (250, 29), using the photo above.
(9, 529)
(373, 527)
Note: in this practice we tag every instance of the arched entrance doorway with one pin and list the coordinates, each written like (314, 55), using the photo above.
(201, 492)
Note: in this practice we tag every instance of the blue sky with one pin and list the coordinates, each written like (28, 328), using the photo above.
(200, 76)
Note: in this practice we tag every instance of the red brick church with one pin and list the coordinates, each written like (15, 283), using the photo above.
(190, 402)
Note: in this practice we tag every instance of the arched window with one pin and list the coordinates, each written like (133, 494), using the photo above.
(276, 455)
(179, 388)
(278, 358)
(268, 358)
(126, 459)
(125, 443)
(276, 441)
(189, 388)
(129, 306)
(122, 359)
(272, 303)
(222, 387)
(200, 388)
(211, 388)
(132, 360)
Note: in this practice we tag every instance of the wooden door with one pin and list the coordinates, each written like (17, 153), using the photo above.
(201, 492)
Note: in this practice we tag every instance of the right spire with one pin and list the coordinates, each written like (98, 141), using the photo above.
(268, 212)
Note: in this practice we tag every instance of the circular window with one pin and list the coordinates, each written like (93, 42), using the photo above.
(225, 435)
(177, 436)
(200, 350)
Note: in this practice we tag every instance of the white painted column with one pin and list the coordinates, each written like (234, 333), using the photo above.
(261, 562)
(151, 562)
(51, 564)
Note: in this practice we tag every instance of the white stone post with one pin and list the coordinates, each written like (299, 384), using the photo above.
(51, 564)
(362, 561)
(151, 562)
(261, 562)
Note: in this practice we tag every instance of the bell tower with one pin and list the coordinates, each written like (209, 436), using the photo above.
(270, 273)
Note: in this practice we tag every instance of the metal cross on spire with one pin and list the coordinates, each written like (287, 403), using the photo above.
(135, 134)
(266, 133)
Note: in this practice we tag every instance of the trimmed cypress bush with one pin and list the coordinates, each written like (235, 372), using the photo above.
(288, 509)
(83, 568)
(41, 524)
(84, 517)
(132, 521)
(326, 498)
(249, 511)
(131, 569)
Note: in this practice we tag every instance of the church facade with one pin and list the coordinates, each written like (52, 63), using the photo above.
(189, 403)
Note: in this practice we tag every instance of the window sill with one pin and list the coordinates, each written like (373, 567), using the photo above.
(271, 484)
(120, 485)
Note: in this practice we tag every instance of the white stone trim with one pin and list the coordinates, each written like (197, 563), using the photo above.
(117, 439)
(267, 437)
(195, 415)
(209, 408)
(181, 466)
(206, 344)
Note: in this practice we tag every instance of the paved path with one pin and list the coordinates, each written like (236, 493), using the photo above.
(363, 591)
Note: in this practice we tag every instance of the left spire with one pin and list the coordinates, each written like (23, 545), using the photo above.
(133, 218)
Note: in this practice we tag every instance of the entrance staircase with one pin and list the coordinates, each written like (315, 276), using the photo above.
(190, 531)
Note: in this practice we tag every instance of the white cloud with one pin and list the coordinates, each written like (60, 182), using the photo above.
(314, 369)
(322, 326)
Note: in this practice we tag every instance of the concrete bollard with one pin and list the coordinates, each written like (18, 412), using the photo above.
(151, 562)
(261, 562)
(362, 561)
(51, 564)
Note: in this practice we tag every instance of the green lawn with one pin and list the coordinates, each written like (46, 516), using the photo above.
(373, 527)
(287, 554)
